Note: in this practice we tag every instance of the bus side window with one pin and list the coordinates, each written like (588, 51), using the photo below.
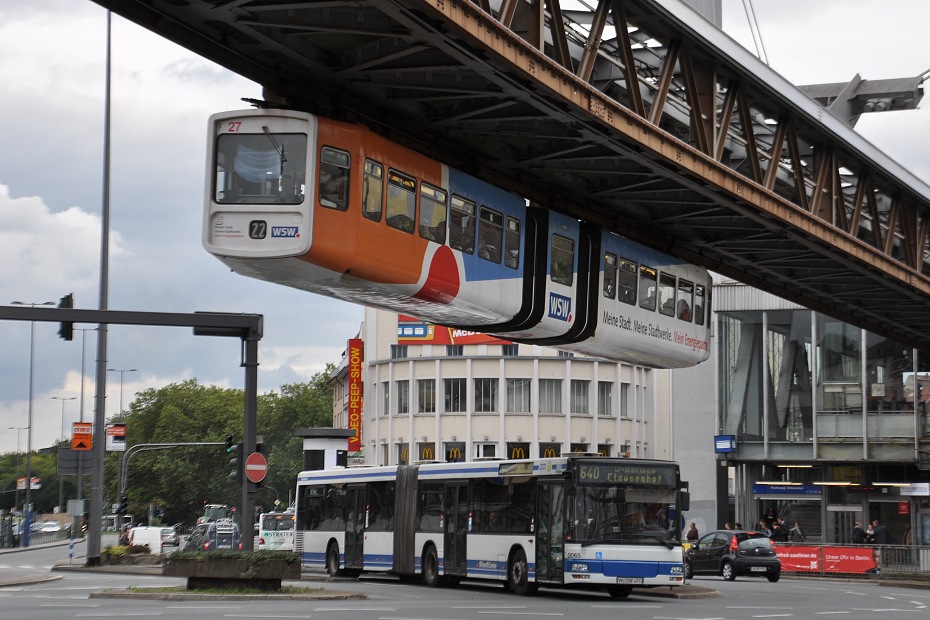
(667, 294)
(562, 262)
(490, 233)
(685, 299)
(610, 275)
(512, 243)
(699, 304)
(334, 178)
(626, 282)
(432, 213)
(647, 287)
(401, 201)
(372, 190)
(462, 225)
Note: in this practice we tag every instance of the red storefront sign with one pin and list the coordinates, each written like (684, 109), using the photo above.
(355, 393)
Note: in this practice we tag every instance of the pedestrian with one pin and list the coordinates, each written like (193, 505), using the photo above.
(858, 534)
(880, 533)
(692, 534)
(764, 528)
(869, 534)
(728, 526)
(797, 535)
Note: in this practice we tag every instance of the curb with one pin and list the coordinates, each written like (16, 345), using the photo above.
(310, 595)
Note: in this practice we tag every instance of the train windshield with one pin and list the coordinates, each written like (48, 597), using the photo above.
(260, 168)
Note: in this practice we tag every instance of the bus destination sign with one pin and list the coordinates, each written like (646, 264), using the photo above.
(593, 473)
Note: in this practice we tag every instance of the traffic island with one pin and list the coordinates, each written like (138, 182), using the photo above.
(260, 571)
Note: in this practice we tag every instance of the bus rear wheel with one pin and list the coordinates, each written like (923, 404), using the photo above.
(332, 560)
(518, 575)
(619, 591)
(431, 567)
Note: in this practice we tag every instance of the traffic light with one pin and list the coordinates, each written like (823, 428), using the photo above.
(123, 506)
(229, 443)
(66, 328)
(235, 462)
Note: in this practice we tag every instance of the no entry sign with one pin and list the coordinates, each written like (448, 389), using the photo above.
(256, 467)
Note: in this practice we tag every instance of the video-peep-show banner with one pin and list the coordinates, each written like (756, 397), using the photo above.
(810, 558)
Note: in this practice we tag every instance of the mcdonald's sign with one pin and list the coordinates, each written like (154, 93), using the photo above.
(518, 453)
(549, 453)
(404, 454)
(454, 455)
(426, 454)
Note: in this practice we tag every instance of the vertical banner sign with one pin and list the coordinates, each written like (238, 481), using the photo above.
(355, 393)
(116, 437)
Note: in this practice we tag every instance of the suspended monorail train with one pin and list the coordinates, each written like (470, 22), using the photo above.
(336, 209)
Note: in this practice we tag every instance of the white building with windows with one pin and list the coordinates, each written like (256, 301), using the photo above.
(436, 393)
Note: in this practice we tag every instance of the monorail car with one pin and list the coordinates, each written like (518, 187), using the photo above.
(337, 209)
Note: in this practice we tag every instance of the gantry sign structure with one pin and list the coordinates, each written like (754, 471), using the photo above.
(662, 129)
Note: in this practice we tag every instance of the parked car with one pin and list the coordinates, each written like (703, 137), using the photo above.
(169, 537)
(222, 534)
(51, 526)
(730, 553)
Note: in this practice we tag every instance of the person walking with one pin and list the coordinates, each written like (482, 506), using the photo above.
(858, 534)
(880, 532)
(796, 535)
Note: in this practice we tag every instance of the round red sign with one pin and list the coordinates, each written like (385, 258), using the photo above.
(256, 467)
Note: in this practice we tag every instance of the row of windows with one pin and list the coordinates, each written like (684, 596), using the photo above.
(400, 351)
(454, 451)
(625, 280)
(498, 236)
(518, 391)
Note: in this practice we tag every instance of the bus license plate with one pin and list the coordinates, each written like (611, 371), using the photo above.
(758, 569)
(633, 581)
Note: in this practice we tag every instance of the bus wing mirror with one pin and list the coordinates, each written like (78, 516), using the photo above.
(684, 501)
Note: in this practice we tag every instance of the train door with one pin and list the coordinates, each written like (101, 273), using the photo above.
(550, 531)
(455, 559)
(355, 526)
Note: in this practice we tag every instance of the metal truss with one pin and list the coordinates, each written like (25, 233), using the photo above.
(637, 115)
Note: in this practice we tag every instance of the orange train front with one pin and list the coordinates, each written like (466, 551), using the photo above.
(336, 209)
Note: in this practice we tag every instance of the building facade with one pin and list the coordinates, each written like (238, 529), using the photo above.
(435, 393)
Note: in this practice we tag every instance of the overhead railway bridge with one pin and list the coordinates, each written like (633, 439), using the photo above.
(663, 129)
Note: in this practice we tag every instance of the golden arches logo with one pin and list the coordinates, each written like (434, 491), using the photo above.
(404, 454)
(426, 454)
(454, 454)
(549, 453)
(518, 453)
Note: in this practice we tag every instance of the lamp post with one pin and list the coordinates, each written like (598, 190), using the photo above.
(80, 476)
(16, 491)
(121, 373)
(61, 477)
(32, 366)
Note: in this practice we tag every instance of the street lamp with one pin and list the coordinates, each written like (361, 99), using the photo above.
(61, 478)
(16, 491)
(63, 399)
(32, 366)
(121, 373)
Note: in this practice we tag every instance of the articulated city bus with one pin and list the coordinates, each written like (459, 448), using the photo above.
(586, 521)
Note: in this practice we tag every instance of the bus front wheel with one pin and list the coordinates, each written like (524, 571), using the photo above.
(518, 575)
(431, 567)
(332, 560)
(619, 591)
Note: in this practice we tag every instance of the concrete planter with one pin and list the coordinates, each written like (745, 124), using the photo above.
(252, 572)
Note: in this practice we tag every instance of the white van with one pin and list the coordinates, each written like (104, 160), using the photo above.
(148, 536)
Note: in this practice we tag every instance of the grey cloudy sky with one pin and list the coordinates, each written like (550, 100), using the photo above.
(52, 69)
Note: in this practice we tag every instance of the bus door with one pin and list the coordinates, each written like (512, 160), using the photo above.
(455, 559)
(550, 531)
(355, 526)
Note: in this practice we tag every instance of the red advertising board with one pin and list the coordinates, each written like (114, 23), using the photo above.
(826, 559)
(355, 393)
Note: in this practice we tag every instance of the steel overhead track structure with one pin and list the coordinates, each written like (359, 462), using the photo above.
(662, 129)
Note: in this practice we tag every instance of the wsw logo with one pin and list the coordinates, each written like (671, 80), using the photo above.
(560, 307)
(285, 231)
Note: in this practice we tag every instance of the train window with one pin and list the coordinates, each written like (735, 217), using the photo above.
(626, 281)
(372, 190)
(685, 300)
(562, 264)
(462, 225)
(610, 275)
(490, 234)
(260, 168)
(512, 243)
(432, 214)
(401, 201)
(699, 304)
(647, 287)
(667, 294)
(334, 178)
